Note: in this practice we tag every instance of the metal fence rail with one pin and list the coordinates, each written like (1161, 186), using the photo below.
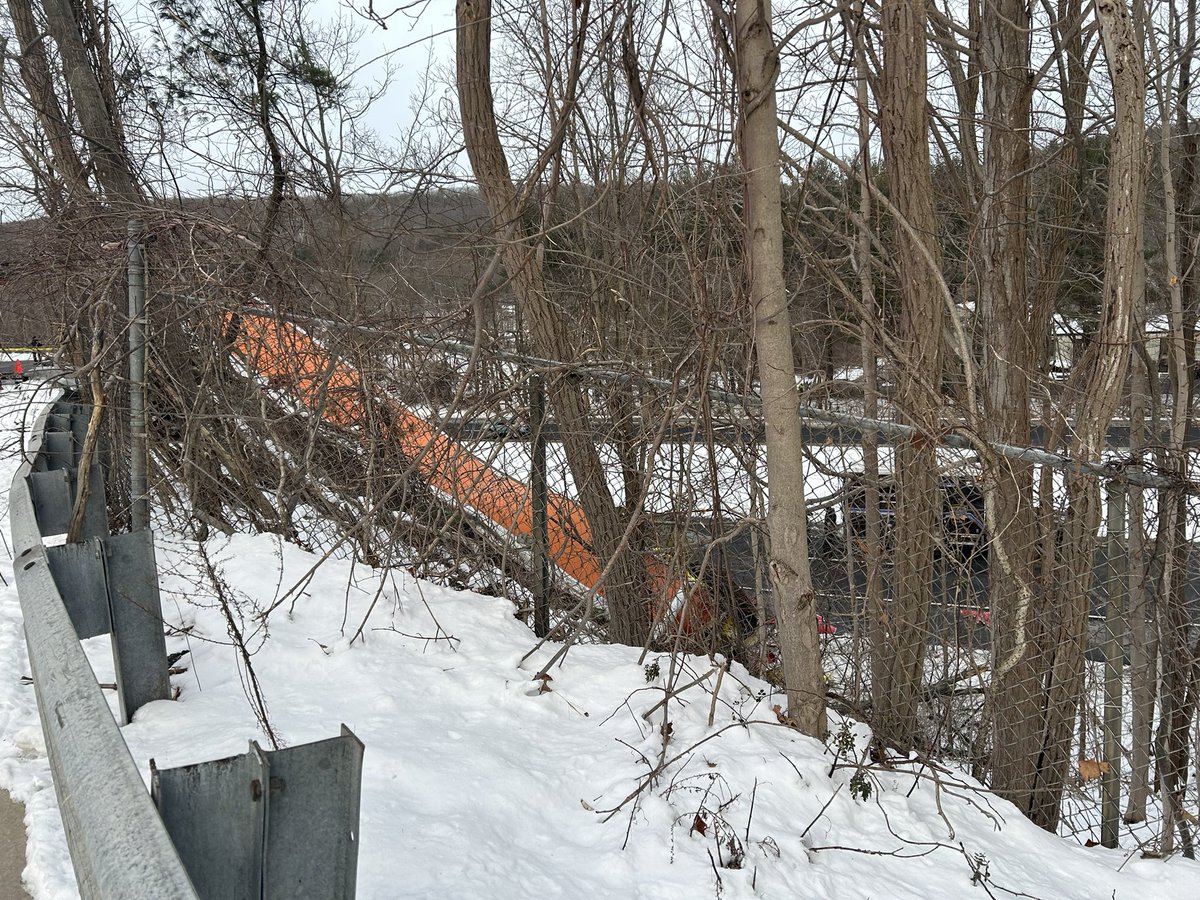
(119, 845)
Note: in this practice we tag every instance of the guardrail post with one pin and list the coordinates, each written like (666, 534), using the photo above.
(54, 492)
(78, 570)
(270, 824)
(109, 584)
(139, 646)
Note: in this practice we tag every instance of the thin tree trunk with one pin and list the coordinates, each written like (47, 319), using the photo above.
(1102, 373)
(38, 80)
(1052, 241)
(1007, 355)
(903, 126)
(264, 102)
(625, 590)
(106, 149)
(1172, 748)
(873, 531)
(795, 600)
(1143, 649)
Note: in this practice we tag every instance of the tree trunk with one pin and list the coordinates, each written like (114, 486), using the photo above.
(39, 81)
(873, 600)
(105, 146)
(795, 600)
(1007, 357)
(903, 127)
(1172, 750)
(1143, 648)
(625, 588)
(1102, 374)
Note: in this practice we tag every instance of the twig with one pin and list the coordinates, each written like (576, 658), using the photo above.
(820, 813)
(716, 874)
(670, 693)
(712, 709)
(750, 817)
(253, 689)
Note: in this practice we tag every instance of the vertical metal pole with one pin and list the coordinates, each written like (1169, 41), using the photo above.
(1114, 660)
(139, 502)
(541, 512)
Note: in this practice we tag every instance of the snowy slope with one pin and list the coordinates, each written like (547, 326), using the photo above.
(478, 782)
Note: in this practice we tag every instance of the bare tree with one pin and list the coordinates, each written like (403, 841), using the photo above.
(1178, 674)
(1004, 59)
(1101, 376)
(626, 587)
(98, 118)
(65, 165)
(903, 127)
(795, 600)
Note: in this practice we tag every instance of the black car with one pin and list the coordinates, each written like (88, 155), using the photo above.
(502, 428)
(963, 521)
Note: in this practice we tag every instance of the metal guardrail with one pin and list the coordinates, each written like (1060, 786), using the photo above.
(120, 848)
(268, 825)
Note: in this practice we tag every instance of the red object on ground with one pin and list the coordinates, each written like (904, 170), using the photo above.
(18, 368)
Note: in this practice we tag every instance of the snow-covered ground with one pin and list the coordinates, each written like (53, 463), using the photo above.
(482, 781)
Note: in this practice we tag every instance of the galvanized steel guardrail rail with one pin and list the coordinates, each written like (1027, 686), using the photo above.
(120, 848)
(267, 825)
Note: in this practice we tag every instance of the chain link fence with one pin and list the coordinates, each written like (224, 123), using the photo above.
(686, 472)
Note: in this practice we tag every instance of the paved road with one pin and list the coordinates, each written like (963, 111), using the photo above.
(12, 848)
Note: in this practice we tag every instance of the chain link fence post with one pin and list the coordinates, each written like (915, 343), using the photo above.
(1114, 659)
(139, 501)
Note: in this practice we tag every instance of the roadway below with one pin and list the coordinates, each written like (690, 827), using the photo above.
(12, 848)
(815, 433)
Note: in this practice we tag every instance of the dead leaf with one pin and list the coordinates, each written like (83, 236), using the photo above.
(666, 729)
(699, 825)
(587, 805)
(1091, 769)
(783, 719)
(878, 754)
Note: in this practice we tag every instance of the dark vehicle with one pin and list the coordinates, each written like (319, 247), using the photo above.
(963, 524)
(502, 428)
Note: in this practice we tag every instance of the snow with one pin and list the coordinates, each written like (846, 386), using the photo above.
(481, 780)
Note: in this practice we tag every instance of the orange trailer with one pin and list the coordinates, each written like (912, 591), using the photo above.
(288, 358)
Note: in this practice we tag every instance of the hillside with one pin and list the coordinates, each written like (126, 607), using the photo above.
(481, 780)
